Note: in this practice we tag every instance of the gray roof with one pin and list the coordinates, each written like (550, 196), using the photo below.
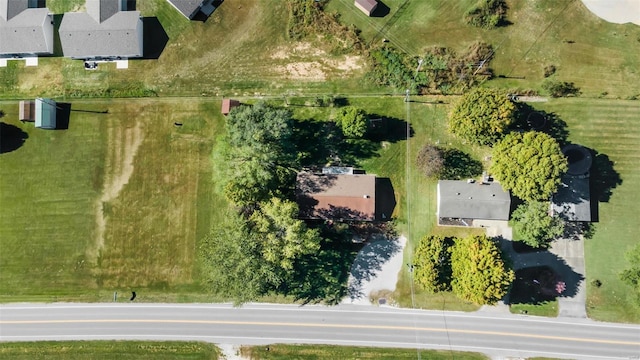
(101, 10)
(83, 37)
(24, 30)
(188, 8)
(572, 201)
(9, 9)
(462, 200)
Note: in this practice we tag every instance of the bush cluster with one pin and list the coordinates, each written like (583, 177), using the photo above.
(487, 14)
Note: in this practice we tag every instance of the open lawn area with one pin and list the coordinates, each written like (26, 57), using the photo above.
(241, 49)
(610, 128)
(304, 352)
(116, 202)
(604, 59)
(142, 350)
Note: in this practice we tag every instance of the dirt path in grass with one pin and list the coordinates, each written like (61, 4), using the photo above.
(123, 145)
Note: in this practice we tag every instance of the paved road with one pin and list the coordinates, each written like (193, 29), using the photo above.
(494, 334)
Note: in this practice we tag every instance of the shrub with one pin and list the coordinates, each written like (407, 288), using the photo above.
(431, 160)
(560, 89)
(487, 14)
(549, 70)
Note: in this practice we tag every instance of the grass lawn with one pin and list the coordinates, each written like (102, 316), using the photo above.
(608, 127)
(70, 350)
(283, 352)
(241, 49)
(542, 33)
(548, 308)
(115, 203)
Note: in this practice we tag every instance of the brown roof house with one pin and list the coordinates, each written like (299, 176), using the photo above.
(462, 203)
(337, 196)
(366, 6)
(227, 105)
(25, 29)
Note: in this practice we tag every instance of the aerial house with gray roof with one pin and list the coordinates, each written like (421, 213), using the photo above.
(105, 32)
(462, 202)
(25, 29)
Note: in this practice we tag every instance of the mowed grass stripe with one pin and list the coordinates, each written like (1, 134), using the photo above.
(611, 128)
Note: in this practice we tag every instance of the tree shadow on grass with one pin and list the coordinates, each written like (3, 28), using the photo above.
(384, 128)
(528, 118)
(459, 165)
(604, 178)
(11, 137)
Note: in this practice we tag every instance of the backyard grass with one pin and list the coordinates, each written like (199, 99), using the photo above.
(547, 32)
(608, 127)
(71, 350)
(302, 352)
(548, 308)
(115, 203)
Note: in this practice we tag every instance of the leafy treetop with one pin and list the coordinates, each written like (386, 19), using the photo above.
(482, 116)
(478, 271)
(529, 164)
(536, 226)
(353, 121)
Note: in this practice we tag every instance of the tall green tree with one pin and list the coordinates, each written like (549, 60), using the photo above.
(259, 144)
(479, 273)
(536, 225)
(529, 164)
(283, 237)
(353, 121)
(432, 264)
(232, 264)
(482, 116)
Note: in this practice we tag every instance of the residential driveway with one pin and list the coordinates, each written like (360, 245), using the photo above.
(572, 251)
(375, 269)
(565, 257)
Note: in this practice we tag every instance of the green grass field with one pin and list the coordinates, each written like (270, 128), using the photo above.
(304, 352)
(115, 203)
(71, 350)
(542, 33)
(608, 126)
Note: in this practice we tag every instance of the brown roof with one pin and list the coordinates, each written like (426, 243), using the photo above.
(366, 5)
(27, 110)
(228, 104)
(339, 197)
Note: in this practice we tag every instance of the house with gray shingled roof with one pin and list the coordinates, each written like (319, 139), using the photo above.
(105, 32)
(25, 29)
(462, 202)
(189, 8)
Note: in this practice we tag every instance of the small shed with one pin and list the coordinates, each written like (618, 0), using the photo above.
(45, 113)
(366, 6)
(27, 110)
(228, 104)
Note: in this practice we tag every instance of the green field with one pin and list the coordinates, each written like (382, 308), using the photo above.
(71, 350)
(304, 352)
(608, 127)
(115, 203)
(548, 32)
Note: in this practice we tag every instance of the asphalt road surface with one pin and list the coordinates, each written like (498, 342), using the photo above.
(494, 334)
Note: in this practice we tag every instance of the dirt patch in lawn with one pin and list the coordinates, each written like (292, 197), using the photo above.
(124, 144)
